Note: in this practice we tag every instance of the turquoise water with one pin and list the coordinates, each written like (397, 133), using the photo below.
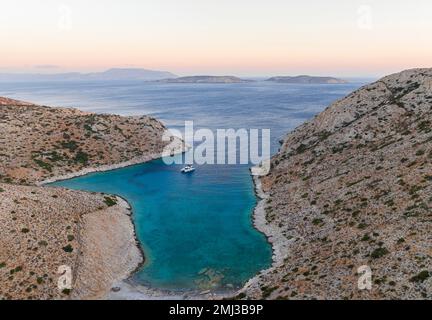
(196, 230)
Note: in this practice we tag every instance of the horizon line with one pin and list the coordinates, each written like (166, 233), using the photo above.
(49, 71)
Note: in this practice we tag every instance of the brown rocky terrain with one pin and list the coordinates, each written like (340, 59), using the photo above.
(38, 142)
(353, 187)
(44, 228)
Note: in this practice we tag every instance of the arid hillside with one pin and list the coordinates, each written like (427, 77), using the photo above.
(351, 188)
(43, 229)
(38, 142)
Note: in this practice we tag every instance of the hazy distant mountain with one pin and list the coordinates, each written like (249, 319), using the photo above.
(206, 79)
(131, 74)
(308, 80)
(111, 74)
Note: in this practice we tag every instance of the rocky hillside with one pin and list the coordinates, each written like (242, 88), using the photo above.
(353, 187)
(38, 142)
(43, 229)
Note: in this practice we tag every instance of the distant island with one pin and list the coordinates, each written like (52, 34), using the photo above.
(131, 74)
(308, 80)
(114, 74)
(206, 79)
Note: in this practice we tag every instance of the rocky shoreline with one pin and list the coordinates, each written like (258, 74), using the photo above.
(180, 148)
(104, 168)
(109, 252)
(280, 244)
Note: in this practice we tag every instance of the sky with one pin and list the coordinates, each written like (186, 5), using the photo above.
(239, 37)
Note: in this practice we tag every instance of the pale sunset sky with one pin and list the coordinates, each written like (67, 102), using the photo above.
(239, 37)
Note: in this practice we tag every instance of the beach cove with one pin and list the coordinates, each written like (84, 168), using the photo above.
(216, 248)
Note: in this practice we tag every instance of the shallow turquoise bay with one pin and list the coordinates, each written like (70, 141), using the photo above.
(196, 229)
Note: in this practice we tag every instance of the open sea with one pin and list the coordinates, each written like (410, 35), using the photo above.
(196, 230)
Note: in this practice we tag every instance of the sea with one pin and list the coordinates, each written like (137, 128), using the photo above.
(196, 230)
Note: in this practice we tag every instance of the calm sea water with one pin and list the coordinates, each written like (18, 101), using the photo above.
(196, 230)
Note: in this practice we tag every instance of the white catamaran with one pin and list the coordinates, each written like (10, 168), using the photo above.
(188, 169)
